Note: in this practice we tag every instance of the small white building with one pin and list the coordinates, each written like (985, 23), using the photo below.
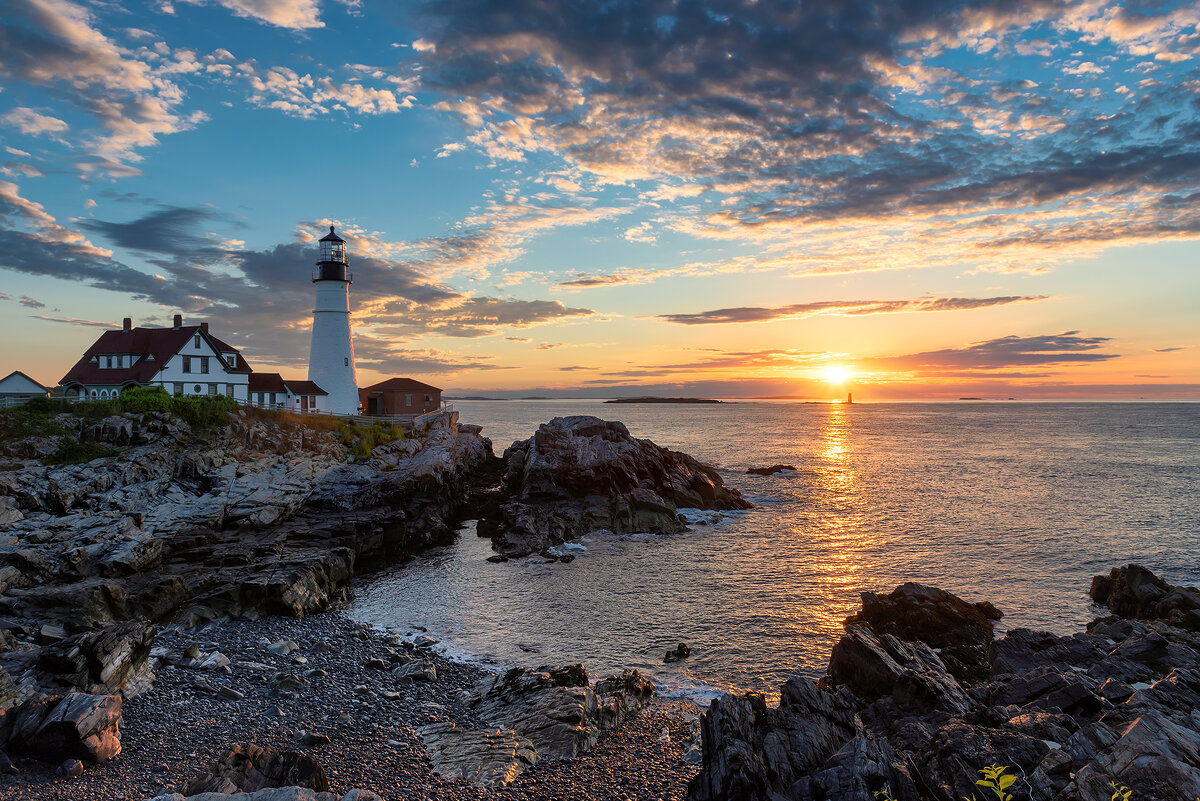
(273, 391)
(16, 387)
(183, 360)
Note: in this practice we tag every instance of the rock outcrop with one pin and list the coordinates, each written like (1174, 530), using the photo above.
(247, 768)
(260, 517)
(581, 474)
(919, 697)
(484, 757)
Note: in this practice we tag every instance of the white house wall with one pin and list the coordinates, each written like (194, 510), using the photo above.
(171, 372)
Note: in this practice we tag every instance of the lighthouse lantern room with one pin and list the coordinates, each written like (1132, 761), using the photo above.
(331, 354)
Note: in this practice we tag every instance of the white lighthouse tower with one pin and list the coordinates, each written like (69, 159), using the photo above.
(331, 354)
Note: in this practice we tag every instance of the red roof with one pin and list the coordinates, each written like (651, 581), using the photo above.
(304, 387)
(266, 382)
(161, 343)
(400, 385)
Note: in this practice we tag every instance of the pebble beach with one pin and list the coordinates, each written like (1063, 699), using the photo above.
(180, 726)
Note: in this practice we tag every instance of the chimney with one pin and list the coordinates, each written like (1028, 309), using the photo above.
(127, 324)
(204, 327)
(178, 321)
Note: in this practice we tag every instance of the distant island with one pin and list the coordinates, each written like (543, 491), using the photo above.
(652, 399)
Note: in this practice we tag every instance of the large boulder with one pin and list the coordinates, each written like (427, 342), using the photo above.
(580, 474)
(247, 768)
(75, 726)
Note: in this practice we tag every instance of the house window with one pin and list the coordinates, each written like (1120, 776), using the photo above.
(428, 399)
(408, 400)
(204, 364)
(229, 390)
(212, 389)
(197, 389)
(196, 341)
(232, 360)
(178, 388)
(187, 364)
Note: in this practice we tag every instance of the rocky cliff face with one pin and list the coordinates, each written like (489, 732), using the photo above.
(919, 697)
(257, 517)
(580, 474)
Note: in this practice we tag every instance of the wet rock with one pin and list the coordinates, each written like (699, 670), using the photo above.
(247, 768)
(484, 757)
(772, 470)
(580, 474)
(681, 651)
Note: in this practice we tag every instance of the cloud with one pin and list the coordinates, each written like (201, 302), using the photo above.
(841, 134)
(31, 123)
(77, 321)
(293, 14)
(1011, 351)
(757, 314)
(32, 303)
(53, 44)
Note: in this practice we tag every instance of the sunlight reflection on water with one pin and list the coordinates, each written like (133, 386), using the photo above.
(1017, 503)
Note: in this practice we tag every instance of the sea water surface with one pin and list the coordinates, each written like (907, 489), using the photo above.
(1017, 503)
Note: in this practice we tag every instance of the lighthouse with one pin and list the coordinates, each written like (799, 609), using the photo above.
(331, 354)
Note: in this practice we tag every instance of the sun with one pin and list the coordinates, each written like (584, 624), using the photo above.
(835, 374)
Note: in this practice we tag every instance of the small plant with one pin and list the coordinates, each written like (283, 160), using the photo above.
(995, 778)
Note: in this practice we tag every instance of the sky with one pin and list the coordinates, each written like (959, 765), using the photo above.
(904, 199)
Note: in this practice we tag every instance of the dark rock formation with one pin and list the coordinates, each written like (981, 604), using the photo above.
(681, 651)
(246, 768)
(772, 470)
(580, 474)
(1133, 591)
(919, 697)
(55, 728)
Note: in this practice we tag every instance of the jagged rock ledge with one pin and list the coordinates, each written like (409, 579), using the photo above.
(920, 696)
(580, 474)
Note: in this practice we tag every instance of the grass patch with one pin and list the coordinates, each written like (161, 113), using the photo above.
(364, 439)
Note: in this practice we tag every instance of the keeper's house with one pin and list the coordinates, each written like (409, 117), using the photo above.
(16, 387)
(183, 360)
(400, 396)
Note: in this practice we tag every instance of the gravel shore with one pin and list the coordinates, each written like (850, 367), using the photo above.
(180, 727)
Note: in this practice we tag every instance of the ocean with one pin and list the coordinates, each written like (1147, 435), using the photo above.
(1016, 503)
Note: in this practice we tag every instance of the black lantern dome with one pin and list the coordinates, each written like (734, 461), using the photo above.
(332, 261)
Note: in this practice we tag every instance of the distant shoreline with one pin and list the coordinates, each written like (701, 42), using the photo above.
(653, 399)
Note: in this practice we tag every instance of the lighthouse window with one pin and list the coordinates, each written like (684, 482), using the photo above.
(346, 361)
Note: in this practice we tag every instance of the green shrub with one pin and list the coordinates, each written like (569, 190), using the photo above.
(70, 451)
(203, 411)
(146, 399)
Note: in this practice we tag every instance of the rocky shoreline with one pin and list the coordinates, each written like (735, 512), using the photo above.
(245, 541)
